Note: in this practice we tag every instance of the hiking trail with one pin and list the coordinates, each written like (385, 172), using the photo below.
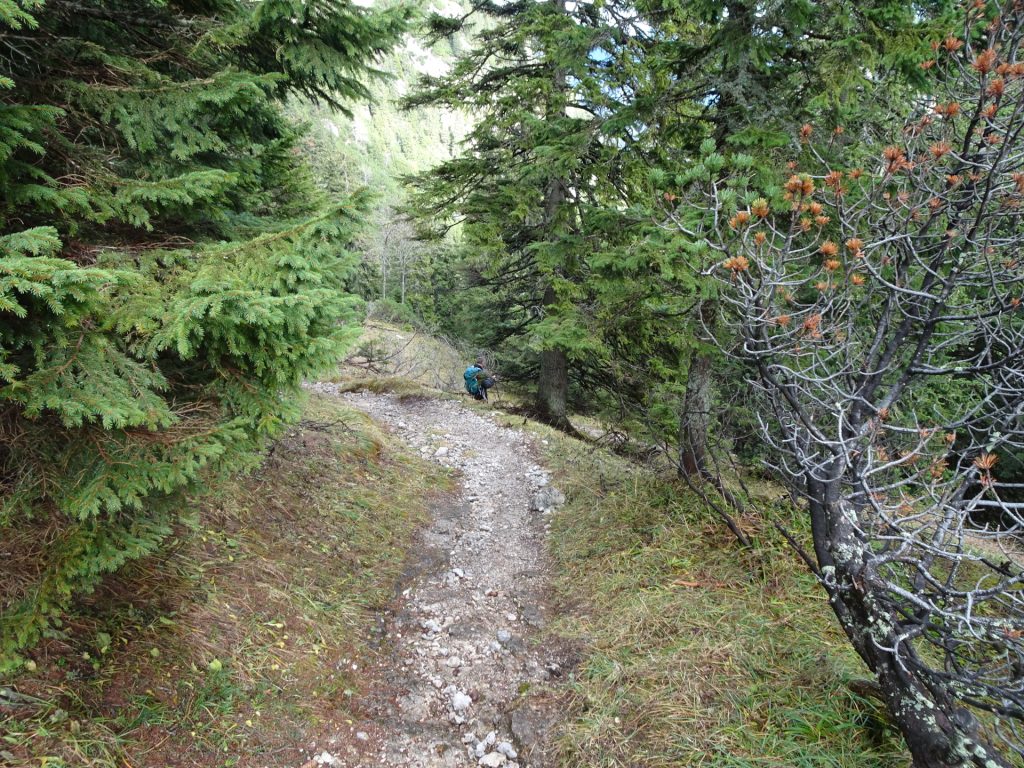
(463, 643)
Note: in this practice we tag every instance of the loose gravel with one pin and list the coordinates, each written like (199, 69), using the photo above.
(464, 641)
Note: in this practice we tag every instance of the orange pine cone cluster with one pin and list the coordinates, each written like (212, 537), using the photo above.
(985, 62)
(895, 159)
(736, 264)
(798, 186)
(741, 218)
(812, 325)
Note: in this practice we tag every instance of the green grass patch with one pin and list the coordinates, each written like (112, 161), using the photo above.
(246, 638)
(693, 651)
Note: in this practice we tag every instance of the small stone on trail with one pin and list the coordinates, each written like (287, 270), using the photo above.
(548, 499)
(364, 736)
(431, 625)
(507, 750)
(453, 577)
(532, 615)
(493, 760)
(461, 702)
(504, 636)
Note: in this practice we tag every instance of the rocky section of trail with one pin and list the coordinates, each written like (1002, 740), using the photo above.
(463, 641)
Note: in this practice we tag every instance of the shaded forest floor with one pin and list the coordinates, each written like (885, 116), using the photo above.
(249, 641)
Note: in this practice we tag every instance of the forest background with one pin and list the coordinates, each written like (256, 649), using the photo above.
(202, 199)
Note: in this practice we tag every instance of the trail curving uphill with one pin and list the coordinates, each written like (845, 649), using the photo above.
(464, 638)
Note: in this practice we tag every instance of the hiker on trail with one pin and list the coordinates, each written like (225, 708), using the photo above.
(478, 381)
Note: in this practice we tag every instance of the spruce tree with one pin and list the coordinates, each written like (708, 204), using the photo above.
(564, 199)
(535, 186)
(167, 275)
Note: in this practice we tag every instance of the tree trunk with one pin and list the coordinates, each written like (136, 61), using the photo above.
(938, 733)
(553, 379)
(384, 265)
(937, 736)
(695, 418)
(553, 382)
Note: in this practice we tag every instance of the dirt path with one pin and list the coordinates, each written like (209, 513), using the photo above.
(464, 639)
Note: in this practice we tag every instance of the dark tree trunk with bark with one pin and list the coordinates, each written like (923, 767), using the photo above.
(939, 734)
(552, 388)
(553, 381)
(695, 416)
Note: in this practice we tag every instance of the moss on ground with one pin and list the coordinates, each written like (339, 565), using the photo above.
(245, 639)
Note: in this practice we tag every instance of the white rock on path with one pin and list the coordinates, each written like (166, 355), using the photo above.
(461, 702)
(507, 750)
(431, 625)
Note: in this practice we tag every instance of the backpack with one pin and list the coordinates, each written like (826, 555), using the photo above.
(472, 385)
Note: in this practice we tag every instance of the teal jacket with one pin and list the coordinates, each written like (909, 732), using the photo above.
(472, 382)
